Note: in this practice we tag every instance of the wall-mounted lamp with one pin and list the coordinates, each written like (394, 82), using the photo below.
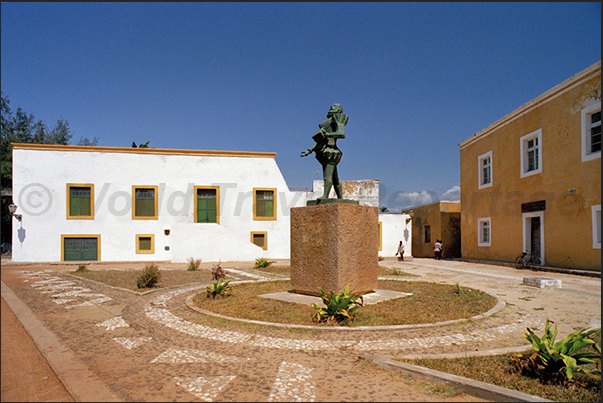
(12, 209)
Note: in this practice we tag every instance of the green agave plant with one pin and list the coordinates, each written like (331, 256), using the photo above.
(219, 287)
(338, 307)
(261, 262)
(559, 361)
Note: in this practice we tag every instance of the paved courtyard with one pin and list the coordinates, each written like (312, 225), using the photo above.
(108, 344)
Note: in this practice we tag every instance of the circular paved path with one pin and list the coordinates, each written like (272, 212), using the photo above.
(154, 348)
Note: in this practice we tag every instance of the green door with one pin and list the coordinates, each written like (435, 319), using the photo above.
(80, 249)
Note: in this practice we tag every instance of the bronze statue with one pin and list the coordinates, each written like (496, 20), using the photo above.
(326, 149)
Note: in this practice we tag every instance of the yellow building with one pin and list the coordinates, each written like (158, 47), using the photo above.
(430, 222)
(532, 180)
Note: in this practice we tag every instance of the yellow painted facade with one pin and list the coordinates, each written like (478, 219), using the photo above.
(530, 181)
(439, 220)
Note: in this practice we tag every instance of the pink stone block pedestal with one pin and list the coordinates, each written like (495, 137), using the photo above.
(333, 245)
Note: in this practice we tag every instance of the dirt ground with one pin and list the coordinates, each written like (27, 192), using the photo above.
(338, 375)
(26, 375)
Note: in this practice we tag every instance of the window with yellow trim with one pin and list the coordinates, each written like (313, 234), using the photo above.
(260, 239)
(145, 243)
(80, 201)
(144, 202)
(207, 204)
(264, 204)
(380, 235)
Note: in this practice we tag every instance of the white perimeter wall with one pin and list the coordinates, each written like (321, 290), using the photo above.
(393, 230)
(39, 189)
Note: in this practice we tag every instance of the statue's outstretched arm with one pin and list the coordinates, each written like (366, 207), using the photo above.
(308, 151)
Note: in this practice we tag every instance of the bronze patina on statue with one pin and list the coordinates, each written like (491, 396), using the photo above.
(327, 153)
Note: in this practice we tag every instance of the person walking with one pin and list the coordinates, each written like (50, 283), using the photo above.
(400, 252)
(437, 249)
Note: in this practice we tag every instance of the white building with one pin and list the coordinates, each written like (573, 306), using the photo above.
(80, 203)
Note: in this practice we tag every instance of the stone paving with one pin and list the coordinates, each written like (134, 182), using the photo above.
(153, 347)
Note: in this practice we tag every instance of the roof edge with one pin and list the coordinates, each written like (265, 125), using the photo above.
(430, 204)
(132, 150)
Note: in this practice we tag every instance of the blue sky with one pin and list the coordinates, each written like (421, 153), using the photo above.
(415, 79)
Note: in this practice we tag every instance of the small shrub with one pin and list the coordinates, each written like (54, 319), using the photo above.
(218, 288)
(338, 307)
(558, 362)
(381, 258)
(459, 291)
(81, 268)
(397, 271)
(193, 264)
(150, 276)
(261, 262)
(218, 273)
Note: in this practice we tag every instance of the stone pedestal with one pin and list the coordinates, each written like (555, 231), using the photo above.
(332, 245)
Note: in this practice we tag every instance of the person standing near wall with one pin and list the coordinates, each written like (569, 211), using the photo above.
(437, 249)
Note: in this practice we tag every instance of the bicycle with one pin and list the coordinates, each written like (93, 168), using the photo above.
(527, 261)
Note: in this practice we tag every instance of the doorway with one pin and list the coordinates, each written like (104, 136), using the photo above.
(533, 233)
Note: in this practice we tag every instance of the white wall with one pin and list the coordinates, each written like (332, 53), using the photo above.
(39, 189)
(394, 229)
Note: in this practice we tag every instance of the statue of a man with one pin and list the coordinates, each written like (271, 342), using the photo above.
(326, 150)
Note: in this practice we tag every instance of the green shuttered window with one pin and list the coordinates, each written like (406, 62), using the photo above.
(80, 201)
(264, 204)
(80, 249)
(207, 205)
(144, 202)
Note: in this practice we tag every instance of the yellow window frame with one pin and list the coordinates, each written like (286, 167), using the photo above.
(217, 189)
(80, 217)
(265, 234)
(380, 236)
(141, 251)
(269, 218)
(156, 205)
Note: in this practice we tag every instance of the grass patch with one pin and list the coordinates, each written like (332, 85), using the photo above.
(285, 270)
(440, 389)
(498, 370)
(127, 278)
(282, 270)
(393, 271)
(430, 302)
